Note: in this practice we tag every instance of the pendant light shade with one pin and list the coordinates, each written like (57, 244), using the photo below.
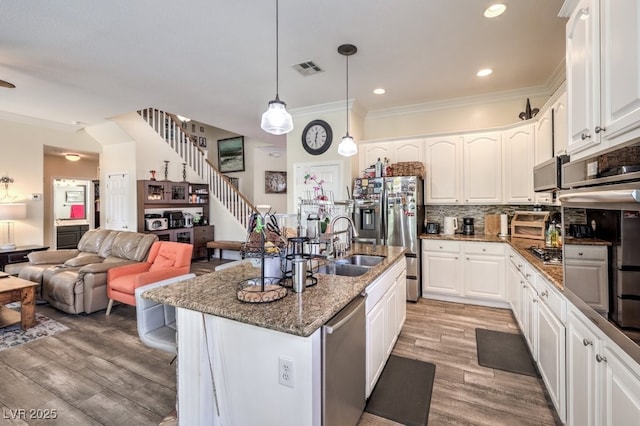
(276, 120)
(347, 146)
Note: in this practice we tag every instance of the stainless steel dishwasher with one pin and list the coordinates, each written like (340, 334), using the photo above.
(344, 365)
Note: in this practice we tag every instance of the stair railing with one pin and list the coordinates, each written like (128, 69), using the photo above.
(169, 127)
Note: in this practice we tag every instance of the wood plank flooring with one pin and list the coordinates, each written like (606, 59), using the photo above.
(99, 373)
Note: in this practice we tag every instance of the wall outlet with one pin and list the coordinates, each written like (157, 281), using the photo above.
(36, 197)
(285, 372)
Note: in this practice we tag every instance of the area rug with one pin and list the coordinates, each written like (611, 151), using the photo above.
(403, 392)
(504, 351)
(14, 335)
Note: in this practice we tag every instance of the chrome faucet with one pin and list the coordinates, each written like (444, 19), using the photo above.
(352, 232)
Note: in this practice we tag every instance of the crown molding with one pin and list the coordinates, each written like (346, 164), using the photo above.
(329, 107)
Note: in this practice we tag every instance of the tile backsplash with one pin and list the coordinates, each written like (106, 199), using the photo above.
(436, 213)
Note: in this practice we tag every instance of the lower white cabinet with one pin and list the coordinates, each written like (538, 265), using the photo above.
(587, 267)
(603, 383)
(551, 355)
(468, 272)
(385, 314)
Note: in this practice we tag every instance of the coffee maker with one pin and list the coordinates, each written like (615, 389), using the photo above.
(467, 226)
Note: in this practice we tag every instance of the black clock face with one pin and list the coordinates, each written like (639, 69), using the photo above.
(317, 137)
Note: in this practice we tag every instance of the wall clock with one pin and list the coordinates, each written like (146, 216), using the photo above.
(317, 137)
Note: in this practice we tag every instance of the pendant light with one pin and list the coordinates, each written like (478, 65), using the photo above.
(347, 146)
(276, 120)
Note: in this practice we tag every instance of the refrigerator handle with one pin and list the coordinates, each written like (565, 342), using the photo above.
(411, 255)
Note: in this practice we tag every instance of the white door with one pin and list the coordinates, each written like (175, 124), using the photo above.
(330, 173)
(117, 206)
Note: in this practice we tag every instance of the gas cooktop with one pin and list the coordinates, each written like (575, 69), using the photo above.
(548, 255)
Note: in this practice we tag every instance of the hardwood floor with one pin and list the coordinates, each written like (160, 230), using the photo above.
(99, 373)
(464, 393)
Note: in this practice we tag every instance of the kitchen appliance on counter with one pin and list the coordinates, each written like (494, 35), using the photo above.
(547, 176)
(450, 225)
(155, 222)
(579, 230)
(432, 228)
(548, 255)
(403, 218)
(467, 226)
(188, 220)
(368, 194)
(175, 218)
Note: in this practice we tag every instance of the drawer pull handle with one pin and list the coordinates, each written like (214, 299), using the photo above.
(580, 253)
(535, 300)
(587, 342)
(584, 136)
(545, 293)
(440, 247)
(599, 129)
(484, 249)
(601, 358)
(528, 275)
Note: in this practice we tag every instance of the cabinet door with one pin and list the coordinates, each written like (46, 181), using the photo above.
(444, 170)
(583, 86)
(370, 152)
(391, 319)
(376, 350)
(581, 373)
(589, 282)
(514, 284)
(560, 128)
(551, 357)
(155, 192)
(483, 168)
(530, 318)
(518, 164)
(484, 277)
(408, 150)
(620, 65)
(441, 273)
(178, 192)
(401, 284)
(544, 137)
(622, 385)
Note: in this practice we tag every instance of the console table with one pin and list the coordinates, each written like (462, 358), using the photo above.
(17, 255)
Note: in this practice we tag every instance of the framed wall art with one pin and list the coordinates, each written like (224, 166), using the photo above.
(275, 182)
(231, 154)
(202, 142)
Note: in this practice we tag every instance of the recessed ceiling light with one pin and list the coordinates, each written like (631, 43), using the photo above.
(484, 72)
(379, 91)
(494, 10)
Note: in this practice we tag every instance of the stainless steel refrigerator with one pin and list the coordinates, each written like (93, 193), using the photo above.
(403, 217)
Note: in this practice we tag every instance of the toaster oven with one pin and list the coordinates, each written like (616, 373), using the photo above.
(156, 224)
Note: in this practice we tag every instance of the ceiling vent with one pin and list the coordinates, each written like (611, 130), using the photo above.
(307, 68)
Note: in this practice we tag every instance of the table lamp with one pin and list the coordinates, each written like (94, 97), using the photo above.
(8, 213)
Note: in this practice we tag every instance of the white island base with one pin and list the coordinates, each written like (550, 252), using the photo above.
(241, 362)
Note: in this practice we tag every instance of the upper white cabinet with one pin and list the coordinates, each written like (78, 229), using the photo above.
(444, 170)
(603, 74)
(560, 125)
(482, 168)
(396, 151)
(518, 164)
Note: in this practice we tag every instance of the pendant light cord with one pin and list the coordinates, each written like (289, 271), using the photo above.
(347, 56)
(277, 54)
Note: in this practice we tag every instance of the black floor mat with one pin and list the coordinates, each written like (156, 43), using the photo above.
(504, 351)
(403, 392)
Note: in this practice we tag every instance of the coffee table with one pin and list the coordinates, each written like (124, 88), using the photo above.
(14, 289)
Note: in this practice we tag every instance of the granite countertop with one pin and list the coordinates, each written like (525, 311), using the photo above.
(297, 313)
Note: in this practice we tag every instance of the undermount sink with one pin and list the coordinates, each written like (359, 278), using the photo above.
(364, 259)
(345, 270)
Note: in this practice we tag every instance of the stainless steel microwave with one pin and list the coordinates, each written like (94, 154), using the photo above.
(547, 176)
(156, 224)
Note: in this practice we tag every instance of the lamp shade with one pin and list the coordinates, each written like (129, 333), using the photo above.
(276, 120)
(347, 147)
(12, 211)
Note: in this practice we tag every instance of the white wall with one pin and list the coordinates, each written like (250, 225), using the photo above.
(263, 162)
(23, 160)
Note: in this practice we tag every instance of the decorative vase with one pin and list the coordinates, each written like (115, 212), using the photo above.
(153, 174)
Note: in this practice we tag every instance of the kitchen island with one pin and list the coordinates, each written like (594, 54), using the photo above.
(230, 353)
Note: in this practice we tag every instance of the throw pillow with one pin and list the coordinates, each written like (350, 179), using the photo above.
(161, 262)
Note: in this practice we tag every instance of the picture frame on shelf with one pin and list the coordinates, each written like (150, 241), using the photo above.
(231, 154)
(275, 182)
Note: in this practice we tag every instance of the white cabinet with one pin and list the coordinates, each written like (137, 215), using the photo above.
(482, 168)
(544, 137)
(518, 164)
(603, 74)
(603, 383)
(583, 85)
(384, 317)
(484, 271)
(444, 170)
(560, 124)
(586, 267)
(441, 272)
(468, 273)
(396, 151)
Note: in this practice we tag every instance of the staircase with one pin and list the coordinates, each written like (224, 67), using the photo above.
(169, 128)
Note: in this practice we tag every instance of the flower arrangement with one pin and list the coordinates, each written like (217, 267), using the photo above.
(317, 186)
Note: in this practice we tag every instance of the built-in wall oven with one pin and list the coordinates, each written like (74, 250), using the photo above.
(610, 198)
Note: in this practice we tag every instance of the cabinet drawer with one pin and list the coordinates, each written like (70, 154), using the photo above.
(441, 245)
(550, 297)
(517, 261)
(573, 252)
(496, 249)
